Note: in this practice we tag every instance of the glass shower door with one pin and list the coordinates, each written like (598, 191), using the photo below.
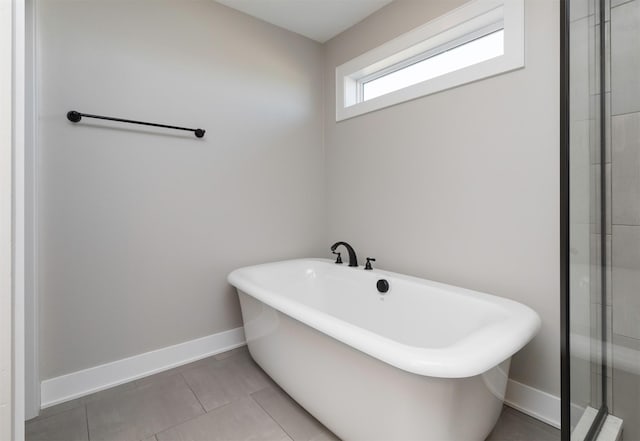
(588, 229)
(601, 217)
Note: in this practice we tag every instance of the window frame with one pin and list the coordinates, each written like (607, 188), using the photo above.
(464, 24)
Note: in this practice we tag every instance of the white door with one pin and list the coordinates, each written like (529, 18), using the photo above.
(6, 217)
(12, 34)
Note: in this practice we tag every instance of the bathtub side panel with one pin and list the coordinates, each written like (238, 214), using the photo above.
(361, 398)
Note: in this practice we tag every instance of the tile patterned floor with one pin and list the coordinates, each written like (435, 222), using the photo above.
(222, 398)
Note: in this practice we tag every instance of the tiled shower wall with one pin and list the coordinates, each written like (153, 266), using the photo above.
(625, 213)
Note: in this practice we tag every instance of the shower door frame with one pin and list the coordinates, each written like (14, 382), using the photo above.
(565, 390)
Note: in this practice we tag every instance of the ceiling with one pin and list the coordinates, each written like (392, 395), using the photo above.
(319, 20)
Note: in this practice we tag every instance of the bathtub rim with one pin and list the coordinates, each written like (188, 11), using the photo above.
(468, 357)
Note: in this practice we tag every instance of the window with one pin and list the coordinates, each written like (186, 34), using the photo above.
(431, 66)
(480, 39)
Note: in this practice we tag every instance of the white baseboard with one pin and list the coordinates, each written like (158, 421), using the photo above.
(77, 384)
(534, 402)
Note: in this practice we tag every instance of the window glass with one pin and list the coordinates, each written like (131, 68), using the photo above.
(472, 52)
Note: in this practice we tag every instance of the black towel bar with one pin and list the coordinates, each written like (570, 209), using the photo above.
(75, 116)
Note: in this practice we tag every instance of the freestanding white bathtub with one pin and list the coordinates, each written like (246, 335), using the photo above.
(425, 361)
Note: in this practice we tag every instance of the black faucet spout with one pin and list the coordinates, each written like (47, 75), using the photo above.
(353, 260)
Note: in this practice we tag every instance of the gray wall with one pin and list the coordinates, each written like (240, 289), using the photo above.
(460, 186)
(139, 227)
(138, 230)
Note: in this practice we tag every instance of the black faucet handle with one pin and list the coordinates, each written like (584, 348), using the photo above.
(339, 258)
(368, 264)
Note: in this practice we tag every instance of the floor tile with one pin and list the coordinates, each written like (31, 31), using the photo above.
(201, 362)
(244, 404)
(79, 402)
(139, 413)
(160, 376)
(58, 408)
(224, 381)
(516, 426)
(241, 420)
(70, 425)
(297, 422)
(197, 363)
(325, 436)
(231, 353)
(117, 390)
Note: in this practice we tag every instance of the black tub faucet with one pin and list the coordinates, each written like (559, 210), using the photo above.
(353, 260)
(368, 265)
